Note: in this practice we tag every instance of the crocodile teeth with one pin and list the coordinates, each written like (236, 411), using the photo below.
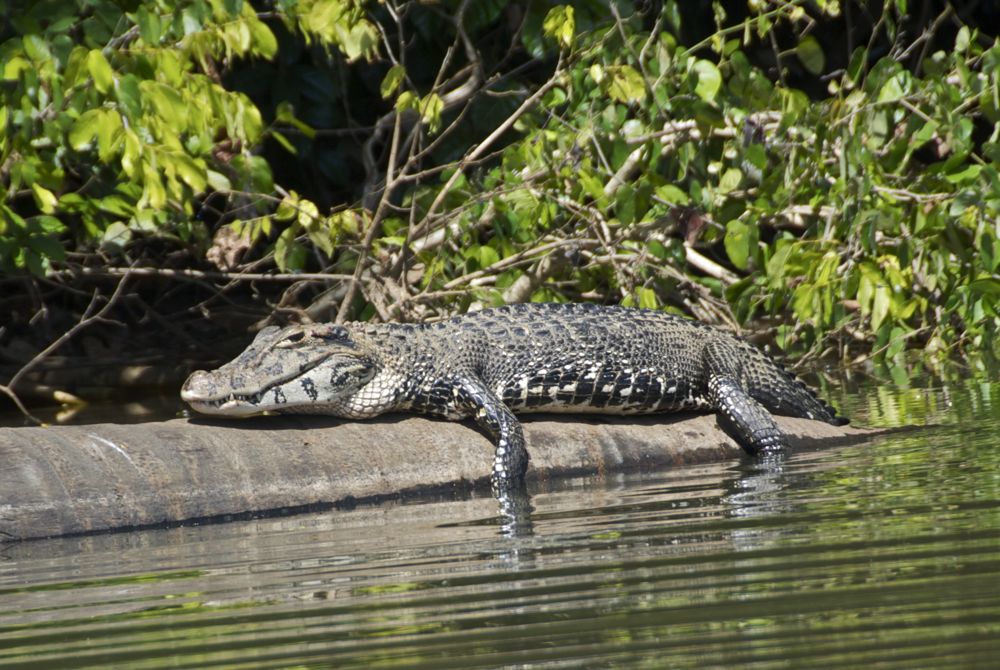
(253, 399)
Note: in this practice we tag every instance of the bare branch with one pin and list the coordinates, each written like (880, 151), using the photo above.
(202, 275)
(89, 317)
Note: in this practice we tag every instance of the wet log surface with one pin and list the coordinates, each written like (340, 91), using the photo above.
(66, 480)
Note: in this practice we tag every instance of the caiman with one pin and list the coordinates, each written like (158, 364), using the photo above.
(491, 364)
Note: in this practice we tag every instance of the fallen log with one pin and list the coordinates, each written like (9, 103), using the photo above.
(65, 480)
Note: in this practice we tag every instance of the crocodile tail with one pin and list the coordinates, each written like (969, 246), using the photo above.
(782, 392)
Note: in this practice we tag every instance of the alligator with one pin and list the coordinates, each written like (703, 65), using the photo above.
(491, 364)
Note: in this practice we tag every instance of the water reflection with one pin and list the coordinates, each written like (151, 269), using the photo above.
(756, 491)
(882, 554)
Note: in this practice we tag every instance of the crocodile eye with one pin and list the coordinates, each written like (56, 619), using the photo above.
(336, 334)
(291, 339)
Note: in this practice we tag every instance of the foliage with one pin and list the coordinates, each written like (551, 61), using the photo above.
(116, 121)
(734, 161)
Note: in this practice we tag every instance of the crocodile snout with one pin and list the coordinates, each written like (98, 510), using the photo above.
(199, 386)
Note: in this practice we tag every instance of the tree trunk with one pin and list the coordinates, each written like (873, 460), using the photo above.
(80, 479)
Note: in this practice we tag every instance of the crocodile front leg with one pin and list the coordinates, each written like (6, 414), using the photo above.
(743, 417)
(511, 458)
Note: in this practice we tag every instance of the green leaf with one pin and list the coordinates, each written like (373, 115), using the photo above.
(559, 25)
(625, 205)
(117, 205)
(672, 195)
(709, 79)
(894, 88)
(116, 236)
(897, 342)
(962, 39)
(647, 298)
(430, 111)
(811, 54)
(47, 247)
(596, 72)
(36, 48)
(407, 100)
(776, 266)
(880, 305)
(323, 236)
(218, 181)
(286, 114)
(49, 224)
(927, 132)
(730, 180)
(167, 101)
(307, 214)
(741, 240)
(150, 26)
(856, 66)
(153, 192)
(100, 70)
(392, 80)
(84, 129)
(191, 171)
(13, 67)
(128, 95)
(288, 207)
(626, 84)
(289, 254)
(131, 153)
(986, 286)
(263, 41)
(968, 173)
(283, 141)
(109, 134)
(44, 198)
(361, 40)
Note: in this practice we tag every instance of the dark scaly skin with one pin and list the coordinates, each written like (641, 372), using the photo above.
(492, 364)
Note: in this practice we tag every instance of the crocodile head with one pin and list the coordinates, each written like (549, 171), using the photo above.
(295, 369)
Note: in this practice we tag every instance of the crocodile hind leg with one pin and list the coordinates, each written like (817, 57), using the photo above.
(743, 417)
(510, 460)
(740, 414)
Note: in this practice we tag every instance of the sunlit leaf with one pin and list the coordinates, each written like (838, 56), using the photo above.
(430, 110)
(44, 198)
(263, 40)
(880, 305)
(100, 70)
(709, 79)
(730, 180)
(84, 129)
(626, 84)
(559, 25)
(392, 80)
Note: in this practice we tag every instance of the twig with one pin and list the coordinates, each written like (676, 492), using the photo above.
(708, 266)
(483, 146)
(202, 275)
(20, 406)
(86, 320)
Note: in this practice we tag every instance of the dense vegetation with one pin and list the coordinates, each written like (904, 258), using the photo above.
(826, 171)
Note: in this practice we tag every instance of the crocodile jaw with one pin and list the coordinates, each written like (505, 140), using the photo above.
(224, 392)
(200, 391)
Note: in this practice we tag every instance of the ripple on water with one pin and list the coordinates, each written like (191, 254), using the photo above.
(884, 554)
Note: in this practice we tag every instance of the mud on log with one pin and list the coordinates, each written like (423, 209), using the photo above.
(79, 479)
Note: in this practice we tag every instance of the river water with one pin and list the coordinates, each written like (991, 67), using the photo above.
(883, 555)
